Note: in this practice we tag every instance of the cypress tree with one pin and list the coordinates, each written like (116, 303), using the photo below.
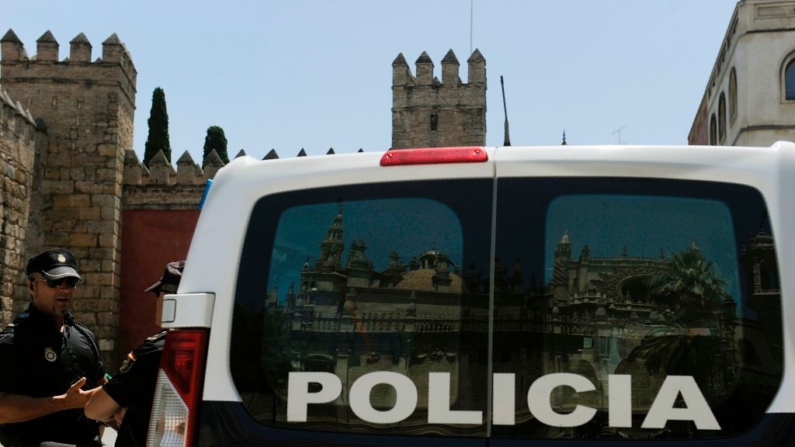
(215, 139)
(158, 128)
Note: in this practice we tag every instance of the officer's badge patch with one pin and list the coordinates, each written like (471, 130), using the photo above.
(50, 355)
(127, 363)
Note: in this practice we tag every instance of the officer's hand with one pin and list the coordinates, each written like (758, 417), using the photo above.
(75, 397)
(119, 415)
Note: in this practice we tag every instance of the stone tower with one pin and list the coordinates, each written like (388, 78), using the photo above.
(430, 113)
(761, 266)
(20, 140)
(86, 109)
(560, 274)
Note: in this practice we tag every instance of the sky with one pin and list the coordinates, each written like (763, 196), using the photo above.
(317, 74)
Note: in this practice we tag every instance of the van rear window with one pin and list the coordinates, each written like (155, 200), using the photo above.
(355, 310)
(606, 308)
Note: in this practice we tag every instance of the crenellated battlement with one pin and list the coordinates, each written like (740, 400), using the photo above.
(113, 67)
(72, 178)
(21, 140)
(424, 69)
(17, 120)
(187, 173)
(161, 172)
(67, 180)
(160, 186)
(427, 112)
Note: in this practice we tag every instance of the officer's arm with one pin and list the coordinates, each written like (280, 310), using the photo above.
(19, 408)
(101, 406)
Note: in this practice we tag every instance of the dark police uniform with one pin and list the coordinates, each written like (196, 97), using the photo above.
(38, 360)
(133, 387)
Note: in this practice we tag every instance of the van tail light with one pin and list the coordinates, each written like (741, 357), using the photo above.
(435, 155)
(175, 409)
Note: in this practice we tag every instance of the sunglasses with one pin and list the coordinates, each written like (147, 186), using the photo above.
(70, 282)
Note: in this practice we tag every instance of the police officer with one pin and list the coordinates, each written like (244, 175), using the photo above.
(49, 363)
(128, 396)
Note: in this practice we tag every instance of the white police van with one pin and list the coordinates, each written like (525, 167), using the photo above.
(472, 296)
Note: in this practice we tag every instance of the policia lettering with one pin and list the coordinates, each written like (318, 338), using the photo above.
(619, 401)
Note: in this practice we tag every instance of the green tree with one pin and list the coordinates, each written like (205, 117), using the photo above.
(682, 355)
(691, 284)
(158, 128)
(692, 287)
(215, 139)
(698, 356)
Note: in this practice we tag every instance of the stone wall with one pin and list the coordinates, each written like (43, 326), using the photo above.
(161, 172)
(160, 211)
(152, 238)
(427, 112)
(70, 175)
(19, 141)
(87, 108)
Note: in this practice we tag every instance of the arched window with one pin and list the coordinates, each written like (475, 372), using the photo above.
(733, 93)
(789, 80)
(434, 122)
(722, 117)
(713, 131)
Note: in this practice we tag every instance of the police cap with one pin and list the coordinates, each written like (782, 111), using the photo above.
(169, 282)
(54, 264)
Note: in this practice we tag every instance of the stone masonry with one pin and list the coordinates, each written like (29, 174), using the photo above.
(87, 110)
(19, 142)
(430, 113)
(70, 173)
(160, 187)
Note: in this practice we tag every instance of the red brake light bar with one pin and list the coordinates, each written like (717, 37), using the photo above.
(434, 155)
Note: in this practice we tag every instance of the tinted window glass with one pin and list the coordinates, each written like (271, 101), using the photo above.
(631, 308)
(364, 309)
(618, 308)
(789, 81)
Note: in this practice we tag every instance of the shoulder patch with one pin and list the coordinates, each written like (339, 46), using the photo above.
(127, 364)
(50, 355)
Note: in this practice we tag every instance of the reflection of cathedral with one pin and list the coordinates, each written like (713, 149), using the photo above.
(350, 319)
(597, 289)
(427, 316)
(760, 343)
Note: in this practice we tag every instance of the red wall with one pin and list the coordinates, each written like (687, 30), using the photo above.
(150, 240)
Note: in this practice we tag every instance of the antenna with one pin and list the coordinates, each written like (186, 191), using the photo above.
(471, 22)
(507, 141)
(618, 131)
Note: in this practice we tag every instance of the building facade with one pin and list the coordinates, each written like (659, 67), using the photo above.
(750, 96)
(71, 178)
(86, 109)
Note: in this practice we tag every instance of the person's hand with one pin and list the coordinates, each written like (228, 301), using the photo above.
(75, 397)
(119, 415)
(115, 421)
